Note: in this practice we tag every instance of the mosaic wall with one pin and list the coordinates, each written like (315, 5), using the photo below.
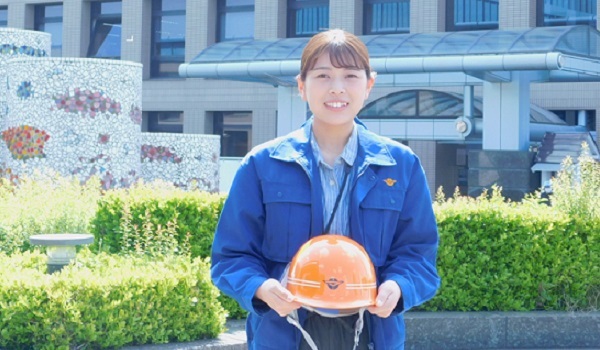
(191, 161)
(19, 43)
(77, 116)
(82, 117)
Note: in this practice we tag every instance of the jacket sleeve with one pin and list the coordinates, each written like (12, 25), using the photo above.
(237, 265)
(412, 258)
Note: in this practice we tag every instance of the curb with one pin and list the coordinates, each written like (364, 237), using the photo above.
(457, 330)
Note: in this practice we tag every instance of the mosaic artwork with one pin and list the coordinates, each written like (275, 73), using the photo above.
(82, 117)
(190, 161)
(19, 43)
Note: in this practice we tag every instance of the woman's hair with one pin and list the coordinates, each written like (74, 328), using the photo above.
(345, 50)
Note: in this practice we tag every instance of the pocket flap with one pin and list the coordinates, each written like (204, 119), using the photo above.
(282, 192)
(386, 199)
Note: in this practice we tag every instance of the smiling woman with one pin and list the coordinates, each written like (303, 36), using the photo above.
(329, 177)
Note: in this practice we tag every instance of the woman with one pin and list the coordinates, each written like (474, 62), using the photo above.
(286, 190)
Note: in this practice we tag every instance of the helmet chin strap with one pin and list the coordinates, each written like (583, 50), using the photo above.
(292, 318)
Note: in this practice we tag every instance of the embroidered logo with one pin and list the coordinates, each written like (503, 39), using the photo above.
(333, 283)
(390, 182)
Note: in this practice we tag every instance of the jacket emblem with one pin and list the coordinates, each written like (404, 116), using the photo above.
(390, 182)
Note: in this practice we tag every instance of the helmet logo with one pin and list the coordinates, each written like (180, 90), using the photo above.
(333, 282)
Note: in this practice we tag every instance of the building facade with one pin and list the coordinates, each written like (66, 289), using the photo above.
(162, 34)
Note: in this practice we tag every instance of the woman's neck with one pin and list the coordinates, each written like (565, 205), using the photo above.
(332, 140)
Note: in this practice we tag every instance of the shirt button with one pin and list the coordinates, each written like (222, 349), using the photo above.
(279, 194)
(332, 182)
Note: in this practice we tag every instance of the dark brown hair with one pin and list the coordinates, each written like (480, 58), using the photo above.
(345, 50)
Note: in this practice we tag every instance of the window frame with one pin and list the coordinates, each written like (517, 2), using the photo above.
(97, 16)
(157, 44)
(219, 128)
(452, 26)
(40, 19)
(565, 21)
(4, 23)
(222, 11)
(298, 5)
(368, 8)
(155, 125)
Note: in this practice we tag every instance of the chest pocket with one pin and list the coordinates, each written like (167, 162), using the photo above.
(288, 209)
(379, 215)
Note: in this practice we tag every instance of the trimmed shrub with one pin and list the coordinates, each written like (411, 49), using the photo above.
(503, 256)
(106, 301)
(196, 215)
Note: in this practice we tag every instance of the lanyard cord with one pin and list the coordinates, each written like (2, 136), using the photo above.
(338, 199)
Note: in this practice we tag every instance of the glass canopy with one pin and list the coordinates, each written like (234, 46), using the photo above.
(579, 40)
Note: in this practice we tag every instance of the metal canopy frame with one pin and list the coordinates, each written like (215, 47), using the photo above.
(554, 54)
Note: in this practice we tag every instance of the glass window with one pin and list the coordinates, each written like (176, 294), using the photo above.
(49, 19)
(105, 41)
(386, 16)
(168, 37)
(3, 16)
(171, 121)
(307, 17)
(472, 15)
(409, 104)
(236, 20)
(235, 129)
(562, 12)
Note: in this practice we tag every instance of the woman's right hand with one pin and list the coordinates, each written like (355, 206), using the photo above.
(277, 297)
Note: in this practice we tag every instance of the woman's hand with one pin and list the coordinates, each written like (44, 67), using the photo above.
(388, 295)
(277, 297)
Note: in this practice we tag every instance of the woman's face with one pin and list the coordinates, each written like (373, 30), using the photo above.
(334, 95)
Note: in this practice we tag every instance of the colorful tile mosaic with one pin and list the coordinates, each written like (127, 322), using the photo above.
(87, 103)
(25, 142)
(71, 115)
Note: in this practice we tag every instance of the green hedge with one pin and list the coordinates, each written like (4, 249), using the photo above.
(196, 213)
(501, 256)
(105, 301)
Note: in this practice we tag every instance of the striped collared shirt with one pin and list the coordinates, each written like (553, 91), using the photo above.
(331, 181)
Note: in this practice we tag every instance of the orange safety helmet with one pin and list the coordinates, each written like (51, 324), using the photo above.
(332, 272)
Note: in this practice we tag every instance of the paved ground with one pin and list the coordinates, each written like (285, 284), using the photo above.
(459, 331)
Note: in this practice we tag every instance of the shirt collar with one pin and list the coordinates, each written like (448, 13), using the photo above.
(349, 152)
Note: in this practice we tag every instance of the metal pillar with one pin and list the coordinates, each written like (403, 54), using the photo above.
(291, 109)
(506, 109)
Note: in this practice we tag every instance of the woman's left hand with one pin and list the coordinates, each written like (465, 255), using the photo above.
(388, 295)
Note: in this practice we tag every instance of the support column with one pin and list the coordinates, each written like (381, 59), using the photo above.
(346, 15)
(519, 13)
(428, 16)
(136, 33)
(76, 28)
(275, 27)
(20, 15)
(468, 101)
(506, 109)
(582, 117)
(291, 109)
(505, 159)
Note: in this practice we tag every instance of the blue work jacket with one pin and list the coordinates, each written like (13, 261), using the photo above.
(275, 205)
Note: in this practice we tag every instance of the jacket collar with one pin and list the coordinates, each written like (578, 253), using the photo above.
(295, 147)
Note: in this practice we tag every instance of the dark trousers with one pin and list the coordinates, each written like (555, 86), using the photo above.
(334, 333)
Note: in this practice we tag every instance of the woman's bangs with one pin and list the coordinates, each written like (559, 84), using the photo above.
(342, 56)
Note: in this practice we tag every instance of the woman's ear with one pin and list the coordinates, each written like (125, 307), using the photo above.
(370, 83)
(301, 90)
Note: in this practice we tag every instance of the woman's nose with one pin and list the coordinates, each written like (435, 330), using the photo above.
(337, 86)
